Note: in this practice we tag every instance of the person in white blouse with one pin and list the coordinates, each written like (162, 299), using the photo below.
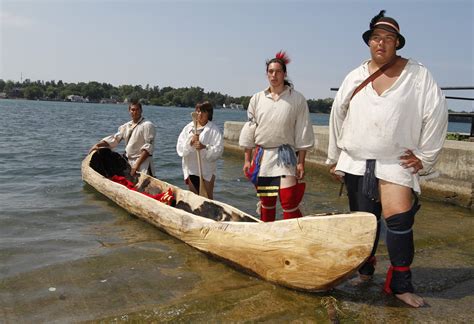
(208, 141)
(275, 140)
(382, 140)
(139, 136)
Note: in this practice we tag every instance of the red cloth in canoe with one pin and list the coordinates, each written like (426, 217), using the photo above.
(166, 197)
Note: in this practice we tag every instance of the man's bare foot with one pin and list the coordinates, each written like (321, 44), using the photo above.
(360, 280)
(411, 299)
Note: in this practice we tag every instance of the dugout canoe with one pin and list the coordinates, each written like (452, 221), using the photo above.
(312, 253)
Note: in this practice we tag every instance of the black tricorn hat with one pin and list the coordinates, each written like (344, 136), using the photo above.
(385, 23)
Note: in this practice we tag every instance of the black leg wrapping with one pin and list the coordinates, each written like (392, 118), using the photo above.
(401, 249)
(360, 202)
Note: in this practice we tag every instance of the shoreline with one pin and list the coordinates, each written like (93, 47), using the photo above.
(454, 119)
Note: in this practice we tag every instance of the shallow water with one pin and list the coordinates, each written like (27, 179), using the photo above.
(68, 254)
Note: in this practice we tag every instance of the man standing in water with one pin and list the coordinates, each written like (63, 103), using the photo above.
(207, 139)
(384, 133)
(279, 132)
(139, 136)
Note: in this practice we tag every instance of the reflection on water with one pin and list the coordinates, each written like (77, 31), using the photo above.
(57, 232)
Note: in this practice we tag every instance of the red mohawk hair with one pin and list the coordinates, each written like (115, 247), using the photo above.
(281, 55)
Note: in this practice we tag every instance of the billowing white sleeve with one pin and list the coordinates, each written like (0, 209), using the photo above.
(304, 134)
(149, 133)
(214, 146)
(435, 123)
(114, 140)
(247, 134)
(183, 146)
(336, 119)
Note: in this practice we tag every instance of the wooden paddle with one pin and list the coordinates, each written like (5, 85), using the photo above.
(202, 186)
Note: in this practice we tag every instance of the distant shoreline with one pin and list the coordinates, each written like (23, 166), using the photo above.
(145, 104)
(455, 119)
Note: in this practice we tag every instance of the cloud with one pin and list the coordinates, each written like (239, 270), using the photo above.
(8, 19)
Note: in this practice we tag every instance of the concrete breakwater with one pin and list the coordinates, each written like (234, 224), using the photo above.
(455, 184)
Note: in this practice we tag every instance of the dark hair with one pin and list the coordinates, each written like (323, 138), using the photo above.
(282, 59)
(135, 103)
(276, 60)
(206, 107)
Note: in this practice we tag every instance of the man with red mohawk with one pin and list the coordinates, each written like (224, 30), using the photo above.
(275, 138)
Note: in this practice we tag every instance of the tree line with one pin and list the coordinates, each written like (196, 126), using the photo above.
(152, 95)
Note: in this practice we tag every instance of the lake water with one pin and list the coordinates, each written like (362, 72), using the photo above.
(68, 254)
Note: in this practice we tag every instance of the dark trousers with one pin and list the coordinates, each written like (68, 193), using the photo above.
(359, 202)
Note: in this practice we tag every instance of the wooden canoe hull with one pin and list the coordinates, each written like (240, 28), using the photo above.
(311, 253)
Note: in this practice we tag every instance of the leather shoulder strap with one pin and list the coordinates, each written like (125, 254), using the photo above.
(131, 132)
(374, 76)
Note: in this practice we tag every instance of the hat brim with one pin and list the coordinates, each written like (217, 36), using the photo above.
(401, 39)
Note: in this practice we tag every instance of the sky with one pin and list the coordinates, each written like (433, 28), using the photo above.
(223, 45)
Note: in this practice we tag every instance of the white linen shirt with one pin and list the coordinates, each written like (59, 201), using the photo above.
(411, 115)
(142, 138)
(273, 123)
(211, 137)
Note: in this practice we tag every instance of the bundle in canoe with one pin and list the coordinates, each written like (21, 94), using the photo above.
(311, 253)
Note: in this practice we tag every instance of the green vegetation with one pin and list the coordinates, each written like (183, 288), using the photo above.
(457, 137)
(104, 92)
(320, 105)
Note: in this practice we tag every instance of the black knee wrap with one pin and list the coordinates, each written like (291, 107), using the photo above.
(401, 250)
(400, 237)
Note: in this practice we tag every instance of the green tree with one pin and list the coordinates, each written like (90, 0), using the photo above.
(9, 85)
(134, 96)
(51, 92)
(244, 101)
(33, 91)
(165, 90)
(320, 105)
(125, 91)
(166, 96)
(157, 101)
(93, 91)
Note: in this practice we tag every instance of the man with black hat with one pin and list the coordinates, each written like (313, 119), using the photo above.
(387, 127)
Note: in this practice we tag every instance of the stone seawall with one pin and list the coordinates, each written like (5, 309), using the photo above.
(455, 185)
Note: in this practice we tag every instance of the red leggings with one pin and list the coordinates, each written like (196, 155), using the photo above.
(268, 208)
(290, 199)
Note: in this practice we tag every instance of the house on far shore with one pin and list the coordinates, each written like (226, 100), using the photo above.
(3, 95)
(108, 101)
(16, 92)
(76, 98)
(128, 100)
(233, 106)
